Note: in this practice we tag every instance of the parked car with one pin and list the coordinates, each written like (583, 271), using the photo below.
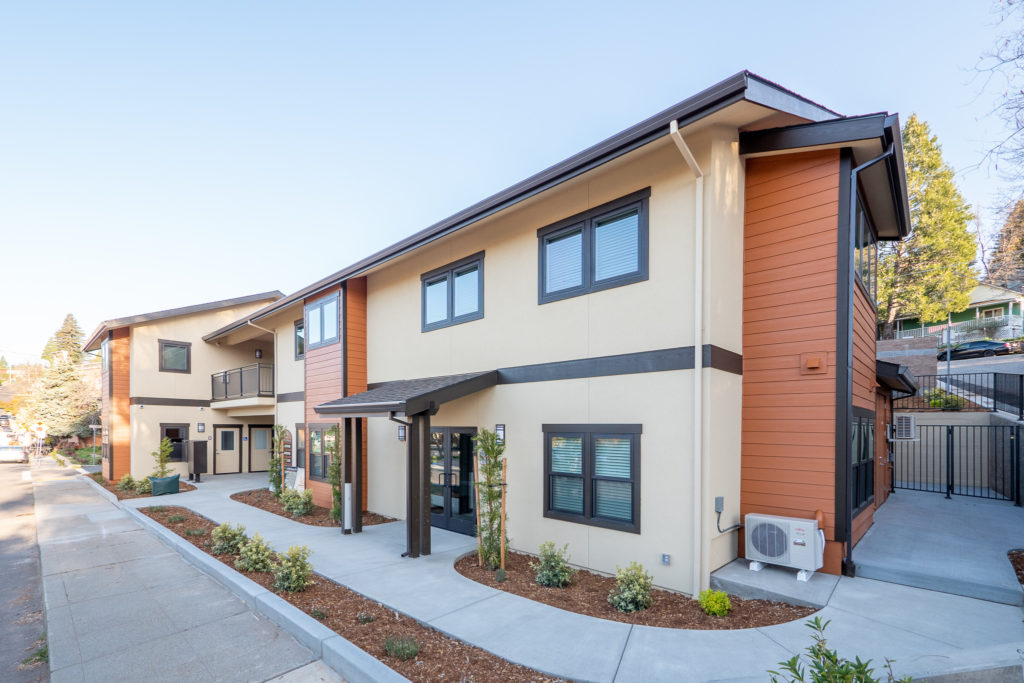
(977, 349)
(13, 454)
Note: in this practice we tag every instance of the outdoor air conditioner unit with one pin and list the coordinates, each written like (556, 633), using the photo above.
(905, 428)
(785, 541)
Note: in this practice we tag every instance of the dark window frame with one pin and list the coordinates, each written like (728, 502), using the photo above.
(300, 444)
(868, 250)
(447, 273)
(589, 432)
(180, 425)
(299, 325)
(317, 308)
(188, 355)
(586, 222)
(322, 428)
(862, 464)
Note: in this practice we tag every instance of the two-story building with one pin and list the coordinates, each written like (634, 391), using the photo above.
(680, 313)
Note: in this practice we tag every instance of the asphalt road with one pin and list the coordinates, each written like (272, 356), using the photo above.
(1013, 364)
(21, 598)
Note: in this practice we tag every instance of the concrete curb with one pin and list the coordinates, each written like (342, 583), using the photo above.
(349, 661)
(102, 491)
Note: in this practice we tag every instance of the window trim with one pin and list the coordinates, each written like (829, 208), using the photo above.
(865, 287)
(318, 306)
(448, 271)
(300, 445)
(295, 338)
(180, 425)
(993, 311)
(862, 416)
(589, 432)
(323, 428)
(188, 355)
(586, 221)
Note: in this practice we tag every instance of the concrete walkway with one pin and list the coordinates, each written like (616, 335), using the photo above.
(955, 545)
(926, 632)
(122, 606)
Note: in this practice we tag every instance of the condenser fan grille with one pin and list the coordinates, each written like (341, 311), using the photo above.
(769, 539)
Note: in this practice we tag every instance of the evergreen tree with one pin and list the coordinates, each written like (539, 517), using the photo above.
(1006, 267)
(66, 343)
(62, 402)
(930, 273)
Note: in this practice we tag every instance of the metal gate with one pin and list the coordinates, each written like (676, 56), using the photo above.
(982, 461)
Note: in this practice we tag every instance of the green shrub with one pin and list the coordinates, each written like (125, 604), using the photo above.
(274, 466)
(195, 532)
(143, 485)
(500, 575)
(294, 572)
(158, 508)
(489, 489)
(714, 603)
(254, 555)
(553, 569)
(296, 503)
(162, 456)
(825, 665)
(227, 539)
(331, 441)
(364, 618)
(174, 519)
(318, 614)
(632, 591)
(126, 483)
(404, 647)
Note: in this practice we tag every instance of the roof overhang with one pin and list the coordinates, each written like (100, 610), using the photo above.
(896, 377)
(409, 396)
(883, 185)
(96, 338)
(744, 87)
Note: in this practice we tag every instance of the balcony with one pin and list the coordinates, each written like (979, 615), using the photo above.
(247, 382)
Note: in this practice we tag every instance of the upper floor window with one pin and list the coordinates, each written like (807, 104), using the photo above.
(105, 354)
(300, 339)
(454, 293)
(592, 475)
(321, 326)
(175, 356)
(865, 254)
(598, 249)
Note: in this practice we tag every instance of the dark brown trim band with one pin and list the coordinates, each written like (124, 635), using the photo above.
(717, 358)
(662, 360)
(291, 396)
(158, 401)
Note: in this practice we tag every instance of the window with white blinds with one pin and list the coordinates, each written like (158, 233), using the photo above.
(454, 293)
(592, 474)
(598, 249)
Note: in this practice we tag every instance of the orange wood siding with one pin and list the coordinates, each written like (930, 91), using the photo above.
(864, 373)
(323, 384)
(789, 308)
(119, 426)
(862, 522)
(355, 354)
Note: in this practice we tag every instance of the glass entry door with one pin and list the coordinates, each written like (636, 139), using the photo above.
(452, 494)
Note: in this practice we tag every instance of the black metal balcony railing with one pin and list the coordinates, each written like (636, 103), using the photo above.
(247, 381)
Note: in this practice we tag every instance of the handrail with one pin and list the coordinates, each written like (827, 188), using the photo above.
(247, 381)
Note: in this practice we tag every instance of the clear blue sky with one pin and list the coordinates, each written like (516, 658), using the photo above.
(160, 154)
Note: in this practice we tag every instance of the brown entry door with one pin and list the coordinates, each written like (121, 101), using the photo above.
(883, 461)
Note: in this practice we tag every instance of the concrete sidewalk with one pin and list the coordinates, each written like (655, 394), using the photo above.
(926, 632)
(121, 605)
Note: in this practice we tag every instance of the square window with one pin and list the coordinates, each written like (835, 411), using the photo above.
(321, 323)
(592, 475)
(227, 440)
(598, 249)
(175, 356)
(453, 294)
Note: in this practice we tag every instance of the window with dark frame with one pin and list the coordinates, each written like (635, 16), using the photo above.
(300, 445)
(862, 474)
(599, 249)
(321, 323)
(178, 434)
(453, 294)
(865, 254)
(175, 356)
(592, 475)
(300, 339)
(320, 442)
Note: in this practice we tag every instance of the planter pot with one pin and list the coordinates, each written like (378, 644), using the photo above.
(163, 485)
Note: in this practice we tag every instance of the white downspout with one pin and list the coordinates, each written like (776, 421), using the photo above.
(698, 354)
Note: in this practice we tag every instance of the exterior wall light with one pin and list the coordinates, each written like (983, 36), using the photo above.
(259, 354)
(401, 432)
(499, 431)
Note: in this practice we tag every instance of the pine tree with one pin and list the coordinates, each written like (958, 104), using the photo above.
(1006, 267)
(930, 273)
(62, 401)
(66, 343)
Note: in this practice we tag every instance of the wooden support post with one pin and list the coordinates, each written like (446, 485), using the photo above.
(413, 493)
(422, 425)
(357, 478)
(504, 470)
(479, 536)
(345, 451)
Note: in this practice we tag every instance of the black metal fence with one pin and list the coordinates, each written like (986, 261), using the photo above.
(978, 391)
(982, 461)
(248, 381)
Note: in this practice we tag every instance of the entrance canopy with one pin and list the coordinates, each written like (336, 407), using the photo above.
(409, 396)
(896, 377)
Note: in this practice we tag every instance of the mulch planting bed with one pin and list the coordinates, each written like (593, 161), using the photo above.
(588, 594)
(265, 500)
(1017, 560)
(125, 495)
(440, 658)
